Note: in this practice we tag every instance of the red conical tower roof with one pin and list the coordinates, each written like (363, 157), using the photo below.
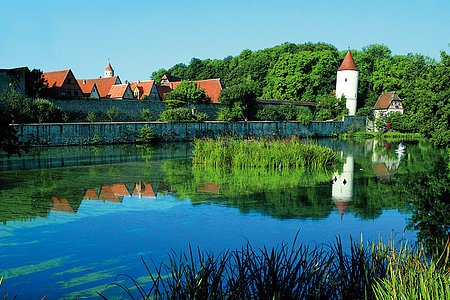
(108, 67)
(348, 63)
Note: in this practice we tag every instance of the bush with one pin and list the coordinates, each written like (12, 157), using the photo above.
(146, 135)
(181, 114)
(231, 114)
(269, 113)
(112, 113)
(304, 116)
(330, 108)
(96, 139)
(186, 92)
(90, 117)
(43, 110)
(146, 115)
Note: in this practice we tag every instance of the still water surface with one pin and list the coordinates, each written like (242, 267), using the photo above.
(74, 218)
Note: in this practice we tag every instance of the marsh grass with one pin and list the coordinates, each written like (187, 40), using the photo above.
(262, 153)
(365, 271)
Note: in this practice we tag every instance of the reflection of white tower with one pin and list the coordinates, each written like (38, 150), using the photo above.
(109, 71)
(342, 189)
(347, 83)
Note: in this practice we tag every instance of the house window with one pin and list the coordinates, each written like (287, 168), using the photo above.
(63, 93)
(68, 80)
(69, 93)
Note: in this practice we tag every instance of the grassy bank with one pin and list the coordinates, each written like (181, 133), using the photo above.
(365, 271)
(262, 153)
(390, 135)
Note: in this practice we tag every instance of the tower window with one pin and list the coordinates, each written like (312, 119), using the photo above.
(345, 79)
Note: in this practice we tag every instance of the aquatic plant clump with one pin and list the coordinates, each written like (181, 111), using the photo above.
(262, 153)
(374, 270)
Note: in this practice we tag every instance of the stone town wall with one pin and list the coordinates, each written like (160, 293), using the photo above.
(126, 132)
(129, 110)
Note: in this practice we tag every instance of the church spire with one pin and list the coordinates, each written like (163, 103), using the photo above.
(109, 71)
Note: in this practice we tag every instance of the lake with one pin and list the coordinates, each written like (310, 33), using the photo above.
(73, 218)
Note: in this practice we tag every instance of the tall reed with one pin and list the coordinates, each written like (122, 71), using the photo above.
(262, 153)
(365, 271)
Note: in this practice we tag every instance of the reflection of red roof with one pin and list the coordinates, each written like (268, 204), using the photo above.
(55, 78)
(212, 87)
(103, 84)
(348, 63)
(90, 195)
(144, 87)
(144, 190)
(113, 192)
(385, 99)
(341, 206)
(211, 188)
(380, 170)
(62, 205)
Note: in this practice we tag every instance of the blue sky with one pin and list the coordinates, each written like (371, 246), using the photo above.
(140, 37)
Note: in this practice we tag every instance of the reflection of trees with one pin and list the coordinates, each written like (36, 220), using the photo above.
(282, 194)
(429, 194)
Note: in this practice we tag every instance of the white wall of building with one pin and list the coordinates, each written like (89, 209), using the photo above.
(347, 85)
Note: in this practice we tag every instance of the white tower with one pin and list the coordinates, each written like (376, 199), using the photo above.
(347, 82)
(109, 71)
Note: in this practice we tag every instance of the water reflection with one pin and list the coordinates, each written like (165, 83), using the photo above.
(151, 200)
(342, 185)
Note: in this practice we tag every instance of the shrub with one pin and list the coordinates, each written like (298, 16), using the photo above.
(96, 139)
(181, 115)
(269, 113)
(231, 114)
(43, 110)
(146, 115)
(146, 135)
(186, 92)
(304, 115)
(91, 117)
(330, 108)
(112, 113)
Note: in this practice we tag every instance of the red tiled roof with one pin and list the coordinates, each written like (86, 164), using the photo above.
(348, 63)
(108, 67)
(148, 190)
(86, 86)
(212, 87)
(145, 85)
(117, 90)
(163, 90)
(103, 84)
(55, 78)
(385, 100)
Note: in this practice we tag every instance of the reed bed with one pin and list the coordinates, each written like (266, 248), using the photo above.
(262, 153)
(365, 271)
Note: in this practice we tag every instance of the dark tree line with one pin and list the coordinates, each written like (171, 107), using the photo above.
(304, 72)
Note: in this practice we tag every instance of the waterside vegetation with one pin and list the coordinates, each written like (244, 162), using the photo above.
(376, 270)
(262, 153)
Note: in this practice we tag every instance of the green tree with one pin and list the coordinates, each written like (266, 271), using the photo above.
(330, 108)
(35, 83)
(157, 75)
(185, 93)
(241, 95)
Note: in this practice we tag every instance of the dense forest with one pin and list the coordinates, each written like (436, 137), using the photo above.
(307, 72)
